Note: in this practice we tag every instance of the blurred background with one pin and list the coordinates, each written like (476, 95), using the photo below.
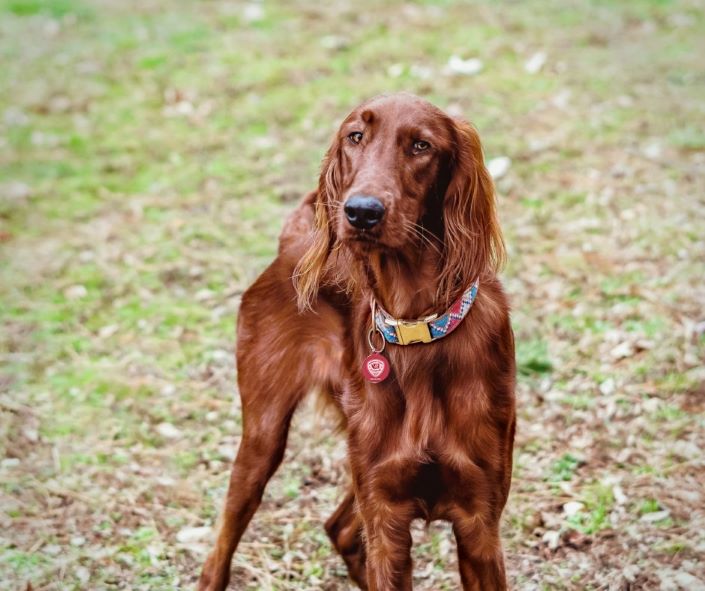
(148, 154)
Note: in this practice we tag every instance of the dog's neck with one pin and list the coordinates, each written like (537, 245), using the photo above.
(405, 286)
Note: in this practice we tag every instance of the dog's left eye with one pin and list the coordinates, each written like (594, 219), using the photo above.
(421, 146)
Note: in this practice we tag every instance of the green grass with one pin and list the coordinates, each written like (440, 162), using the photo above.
(598, 504)
(564, 468)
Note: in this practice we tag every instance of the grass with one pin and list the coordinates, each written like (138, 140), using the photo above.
(564, 468)
(148, 155)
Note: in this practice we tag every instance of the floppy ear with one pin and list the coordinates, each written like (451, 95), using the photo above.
(309, 270)
(473, 242)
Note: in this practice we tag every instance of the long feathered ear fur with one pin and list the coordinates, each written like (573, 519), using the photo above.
(473, 243)
(309, 270)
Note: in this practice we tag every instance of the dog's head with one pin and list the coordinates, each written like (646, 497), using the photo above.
(402, 175)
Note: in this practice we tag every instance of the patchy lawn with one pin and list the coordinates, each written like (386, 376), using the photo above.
(148, 153)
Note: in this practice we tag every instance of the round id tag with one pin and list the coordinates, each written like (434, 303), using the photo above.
(375, 368)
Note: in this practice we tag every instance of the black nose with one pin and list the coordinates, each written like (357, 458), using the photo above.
(363, 212)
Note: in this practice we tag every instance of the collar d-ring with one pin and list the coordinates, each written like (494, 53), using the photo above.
(374, 329)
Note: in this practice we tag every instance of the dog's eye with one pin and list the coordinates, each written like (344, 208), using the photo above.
(421, 146)
(355, 137)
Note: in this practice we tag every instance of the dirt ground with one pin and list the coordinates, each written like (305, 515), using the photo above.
(148, 154)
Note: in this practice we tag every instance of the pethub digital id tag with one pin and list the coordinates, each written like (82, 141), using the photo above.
(375, 368)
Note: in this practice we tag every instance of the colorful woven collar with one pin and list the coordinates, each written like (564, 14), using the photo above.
(430, 328)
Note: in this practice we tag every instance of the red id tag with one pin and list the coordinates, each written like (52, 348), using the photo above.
(375, 368)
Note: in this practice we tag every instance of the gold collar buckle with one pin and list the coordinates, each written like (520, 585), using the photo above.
(415, 331)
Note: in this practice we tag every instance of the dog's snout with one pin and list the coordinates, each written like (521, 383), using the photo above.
(363, 211)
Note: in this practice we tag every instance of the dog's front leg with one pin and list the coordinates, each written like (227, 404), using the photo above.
(387, 522)
(387, 529)
(480, 557)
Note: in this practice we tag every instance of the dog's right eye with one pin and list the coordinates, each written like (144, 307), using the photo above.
(355, 137)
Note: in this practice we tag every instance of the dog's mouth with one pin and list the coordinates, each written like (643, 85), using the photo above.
(364, 241)
(365, 238)
(350, 234)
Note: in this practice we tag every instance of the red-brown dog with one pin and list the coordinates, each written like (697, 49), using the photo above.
(402, 226)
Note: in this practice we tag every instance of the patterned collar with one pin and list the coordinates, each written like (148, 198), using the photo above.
(428, 329)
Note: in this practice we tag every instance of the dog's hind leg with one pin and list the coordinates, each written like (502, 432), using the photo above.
(271, 386)
(260, 453)
(344, 528)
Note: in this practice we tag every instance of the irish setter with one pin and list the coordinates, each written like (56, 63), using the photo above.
(403, 222)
